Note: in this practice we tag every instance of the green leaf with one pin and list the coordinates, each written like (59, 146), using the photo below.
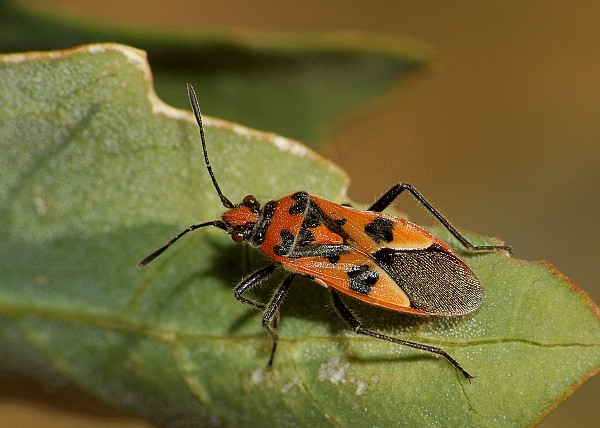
(97, 172)
(289, 84)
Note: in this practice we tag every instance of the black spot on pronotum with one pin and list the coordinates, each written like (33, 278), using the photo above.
(299, 207)
(263, 224)
(287, 239)
(380, 229)
(362, 279)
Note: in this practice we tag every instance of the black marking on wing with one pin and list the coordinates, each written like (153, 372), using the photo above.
(341, 222)
(331, 252)
(380, 229)
(362, 279)
(305, 237)
(435, 280)
(333, 225)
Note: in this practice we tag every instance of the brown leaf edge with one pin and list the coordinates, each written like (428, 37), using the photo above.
(594, 308)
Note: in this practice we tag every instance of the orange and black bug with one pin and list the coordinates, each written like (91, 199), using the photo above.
(374, 257)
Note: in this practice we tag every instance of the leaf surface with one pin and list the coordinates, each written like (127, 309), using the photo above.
(97, 172)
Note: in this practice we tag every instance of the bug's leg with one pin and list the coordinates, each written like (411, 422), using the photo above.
(389, 196)
(270, 318)
(351, 320)
(249, 282)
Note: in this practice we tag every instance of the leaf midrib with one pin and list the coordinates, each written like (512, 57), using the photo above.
(114, 322)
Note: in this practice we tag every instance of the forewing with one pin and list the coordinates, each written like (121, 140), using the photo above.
(356, 275)
(429, 276)
(369, 231)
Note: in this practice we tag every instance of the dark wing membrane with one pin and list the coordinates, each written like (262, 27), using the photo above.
(435, 280)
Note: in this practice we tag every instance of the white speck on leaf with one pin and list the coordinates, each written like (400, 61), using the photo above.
(285, 388)
(258, 376)
(333, 371)
(361, 387)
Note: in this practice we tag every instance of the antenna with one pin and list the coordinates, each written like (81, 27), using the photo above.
(217, 223)
(194, 101)
(226, 202)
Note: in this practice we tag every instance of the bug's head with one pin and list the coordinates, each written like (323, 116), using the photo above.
(241, 220)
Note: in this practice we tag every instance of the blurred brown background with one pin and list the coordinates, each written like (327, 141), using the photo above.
(503, 135)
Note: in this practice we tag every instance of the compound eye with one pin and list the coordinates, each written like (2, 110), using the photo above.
(237, 236)
(249, 201)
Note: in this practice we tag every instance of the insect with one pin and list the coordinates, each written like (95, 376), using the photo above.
(371, 256)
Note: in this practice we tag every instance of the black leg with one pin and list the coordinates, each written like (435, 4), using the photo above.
(249, 282)
(389, 196)
(271, 313)
(351, 320)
